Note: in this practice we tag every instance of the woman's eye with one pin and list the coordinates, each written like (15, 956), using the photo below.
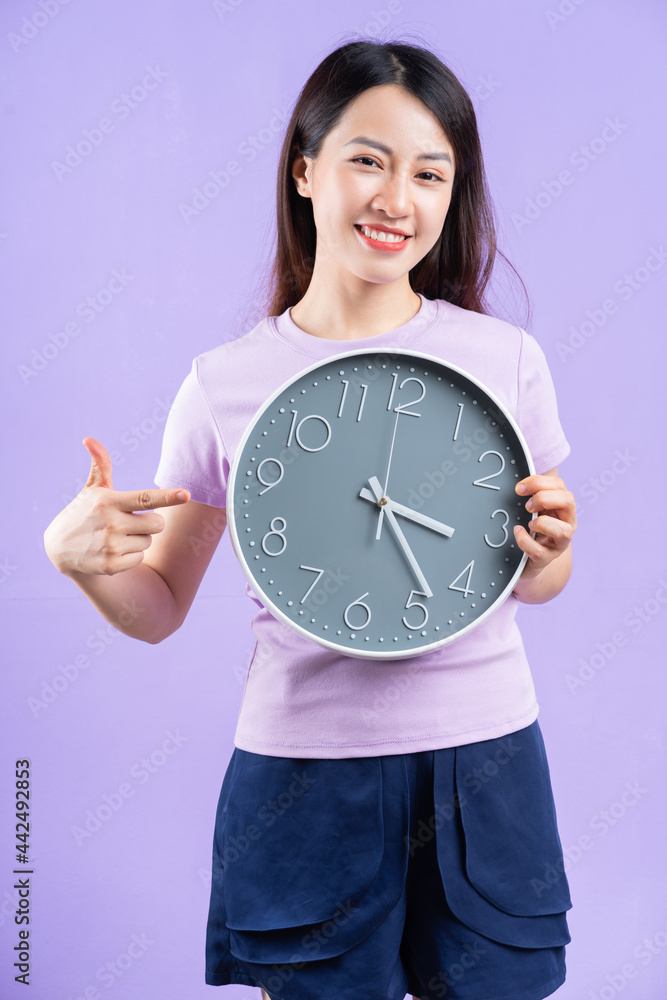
(374, 163)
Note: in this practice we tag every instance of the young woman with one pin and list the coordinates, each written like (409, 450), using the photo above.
(366, 845)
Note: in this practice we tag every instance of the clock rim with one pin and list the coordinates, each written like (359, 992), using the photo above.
(251, 577)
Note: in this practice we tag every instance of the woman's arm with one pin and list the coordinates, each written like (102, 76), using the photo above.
(550, 553)
(140, 568)
(151, 601)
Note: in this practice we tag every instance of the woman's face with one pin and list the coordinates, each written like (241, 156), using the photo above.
(387, 164)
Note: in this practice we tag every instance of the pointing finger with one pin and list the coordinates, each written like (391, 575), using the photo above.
(149, 499)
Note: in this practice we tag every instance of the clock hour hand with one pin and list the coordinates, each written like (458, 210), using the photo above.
(408, 512)
(402, 541)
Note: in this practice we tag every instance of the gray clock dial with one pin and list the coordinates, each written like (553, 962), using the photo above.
(372, 504)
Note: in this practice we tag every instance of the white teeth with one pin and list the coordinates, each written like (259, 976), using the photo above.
(382, 236)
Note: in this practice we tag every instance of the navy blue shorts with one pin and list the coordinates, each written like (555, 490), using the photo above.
(438, 873)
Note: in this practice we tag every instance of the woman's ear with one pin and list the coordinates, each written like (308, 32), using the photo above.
(299, 168)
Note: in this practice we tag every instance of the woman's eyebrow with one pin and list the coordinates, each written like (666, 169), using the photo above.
(364, 140)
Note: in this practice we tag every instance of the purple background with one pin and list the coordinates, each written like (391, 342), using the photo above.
(545, 85)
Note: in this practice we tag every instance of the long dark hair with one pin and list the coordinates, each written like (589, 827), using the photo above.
(458, 267)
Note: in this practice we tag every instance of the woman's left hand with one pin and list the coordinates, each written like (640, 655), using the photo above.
(554, 526)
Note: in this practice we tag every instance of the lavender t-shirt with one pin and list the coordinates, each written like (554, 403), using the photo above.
(300, 699)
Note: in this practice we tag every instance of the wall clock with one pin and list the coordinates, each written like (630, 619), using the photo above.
(371, 503)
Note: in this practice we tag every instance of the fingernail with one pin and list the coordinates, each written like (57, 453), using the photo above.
(520, 488)
(182, 496)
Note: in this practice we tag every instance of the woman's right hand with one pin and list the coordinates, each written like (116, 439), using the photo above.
(99, 531)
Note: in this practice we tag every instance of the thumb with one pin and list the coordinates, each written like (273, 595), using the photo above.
(100, 468)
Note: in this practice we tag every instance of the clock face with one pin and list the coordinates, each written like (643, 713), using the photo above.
(371, 503)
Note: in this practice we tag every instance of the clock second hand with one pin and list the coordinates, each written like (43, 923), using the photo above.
(386, 481)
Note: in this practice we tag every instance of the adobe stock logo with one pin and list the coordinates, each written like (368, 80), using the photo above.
(625, 287)
(31, 26)
(121, 108)
(565, 9)
(142, 769)
(88, 309)
(581, 158)
(606, 649)
(218, 180)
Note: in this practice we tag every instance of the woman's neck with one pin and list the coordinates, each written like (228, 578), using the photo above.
(354, 317)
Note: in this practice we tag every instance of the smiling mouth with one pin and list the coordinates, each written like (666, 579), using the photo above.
(381, 242)
(380, 235)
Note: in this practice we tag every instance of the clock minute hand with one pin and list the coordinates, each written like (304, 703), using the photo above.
(377, 490)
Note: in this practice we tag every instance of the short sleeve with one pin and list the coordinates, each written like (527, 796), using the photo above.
(537, 409)
(193, 451)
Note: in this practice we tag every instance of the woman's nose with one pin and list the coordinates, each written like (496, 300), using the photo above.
(393, 196)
